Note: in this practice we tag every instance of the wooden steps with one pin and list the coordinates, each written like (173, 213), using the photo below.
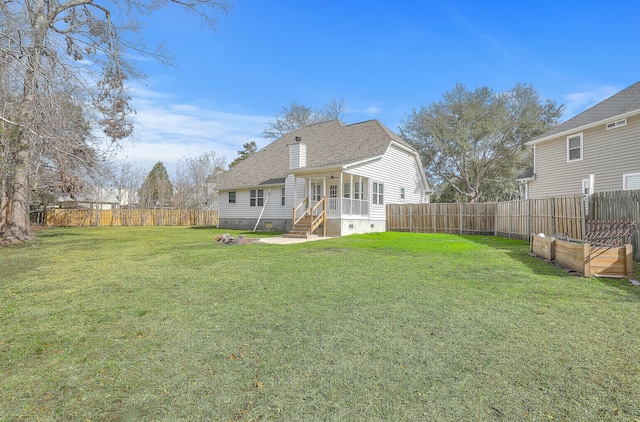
(301, 230)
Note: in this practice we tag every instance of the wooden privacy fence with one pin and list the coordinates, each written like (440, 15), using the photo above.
(84, 218)
(516, 219)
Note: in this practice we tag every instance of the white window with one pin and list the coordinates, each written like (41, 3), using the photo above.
(232, 197)
(617, 123)
(316, 192)
(631, 181)
(378, 194)
(346, 190)
(358, 189)
(402, 193)
(283, 197)
(256, 197)
(574, 147)
(333, 191)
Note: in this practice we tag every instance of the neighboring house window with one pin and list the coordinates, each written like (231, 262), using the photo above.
(402, 193)
(585, 187)
(232, 197)
(616, 124)
(256, 197)
(283, 197)
(346, 191)
(378, 194)
(631, 181)
(574, 147)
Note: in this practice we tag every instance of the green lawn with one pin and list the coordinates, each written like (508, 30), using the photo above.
(153, 323)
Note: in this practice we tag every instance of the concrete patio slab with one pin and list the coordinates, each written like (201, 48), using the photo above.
(288, 240)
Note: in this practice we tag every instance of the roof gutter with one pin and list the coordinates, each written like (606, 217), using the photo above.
(583, 127)
(310, 170)
(270, 185)
(366, 160)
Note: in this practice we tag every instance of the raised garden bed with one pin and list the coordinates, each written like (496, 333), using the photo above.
(588, 260)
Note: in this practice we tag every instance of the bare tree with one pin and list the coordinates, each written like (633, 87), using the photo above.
(197, 181)
(333, 109)
(76, 52)
(296, 116)
(120, 180)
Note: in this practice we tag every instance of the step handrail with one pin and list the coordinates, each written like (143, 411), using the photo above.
(321, 217)
(295, 219)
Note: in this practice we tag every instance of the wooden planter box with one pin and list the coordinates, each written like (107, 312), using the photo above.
(586, 259)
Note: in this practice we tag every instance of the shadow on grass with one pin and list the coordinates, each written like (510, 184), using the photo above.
(56, 232)
(262, 234)
(246, 233)
(513, 248)
(518, 250)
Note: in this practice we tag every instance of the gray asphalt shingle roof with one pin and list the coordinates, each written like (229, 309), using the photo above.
(625, 101)
(330, 143)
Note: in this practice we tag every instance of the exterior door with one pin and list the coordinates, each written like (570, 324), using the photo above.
(316, 193)
(332, 203)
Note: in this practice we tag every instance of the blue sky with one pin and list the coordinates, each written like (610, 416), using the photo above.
(383, 58)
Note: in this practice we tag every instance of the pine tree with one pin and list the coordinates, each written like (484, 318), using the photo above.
(156, 190)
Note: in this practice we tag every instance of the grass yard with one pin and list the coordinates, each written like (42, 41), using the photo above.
(160, 323)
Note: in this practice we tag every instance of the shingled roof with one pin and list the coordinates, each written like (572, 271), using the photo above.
(329, 144)
(624, 102)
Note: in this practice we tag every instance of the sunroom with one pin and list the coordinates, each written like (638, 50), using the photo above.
(337, 202)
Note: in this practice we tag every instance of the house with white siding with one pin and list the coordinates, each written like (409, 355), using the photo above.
(327, 178)
(597, 150)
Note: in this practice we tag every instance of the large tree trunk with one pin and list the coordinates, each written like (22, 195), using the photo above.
(17, 225)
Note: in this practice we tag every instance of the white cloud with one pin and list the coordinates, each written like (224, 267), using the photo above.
(372, 109)
(168, 131)
(578, 102)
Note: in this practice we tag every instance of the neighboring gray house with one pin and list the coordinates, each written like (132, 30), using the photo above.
(340, 174)
(597, 150)
(100, 198)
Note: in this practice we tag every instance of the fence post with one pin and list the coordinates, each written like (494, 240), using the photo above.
(410, 218)
(460, 217)
(510, 221)
(586, 215)
(435, 207)
(552, 217)
(529, 219)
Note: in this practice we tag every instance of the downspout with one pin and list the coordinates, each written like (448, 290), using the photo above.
(262, 210)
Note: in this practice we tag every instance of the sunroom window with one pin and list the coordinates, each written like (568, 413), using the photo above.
(378, 194)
